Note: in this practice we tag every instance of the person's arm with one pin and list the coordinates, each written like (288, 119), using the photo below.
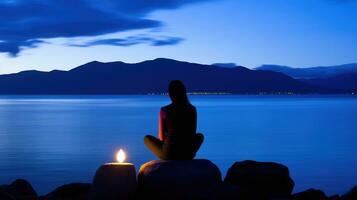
(161, 125)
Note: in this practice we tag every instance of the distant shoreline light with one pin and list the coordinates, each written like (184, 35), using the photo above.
(258, 93)
(195, 93)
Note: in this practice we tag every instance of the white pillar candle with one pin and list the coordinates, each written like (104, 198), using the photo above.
(113, 181)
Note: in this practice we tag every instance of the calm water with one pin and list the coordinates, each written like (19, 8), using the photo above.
(53, 140)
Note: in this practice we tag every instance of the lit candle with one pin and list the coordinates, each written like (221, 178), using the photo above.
(116, 180)
(121, 156)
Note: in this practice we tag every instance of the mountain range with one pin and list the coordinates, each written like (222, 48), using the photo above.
(341, 77)
(312, 72)
(153, 76)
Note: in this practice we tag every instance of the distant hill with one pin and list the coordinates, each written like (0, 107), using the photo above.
(312, 72)
(152, 76)
(347, 82)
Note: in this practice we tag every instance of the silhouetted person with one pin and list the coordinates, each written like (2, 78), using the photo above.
(177, 127)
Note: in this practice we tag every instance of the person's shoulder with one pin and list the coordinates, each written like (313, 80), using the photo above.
(165, 108)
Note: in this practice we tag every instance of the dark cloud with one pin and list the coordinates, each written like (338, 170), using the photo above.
(140, 7)
(132, 40)
(166, 41)
(25, 23)
(14, 47)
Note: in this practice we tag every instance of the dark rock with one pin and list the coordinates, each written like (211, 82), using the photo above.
(266, 179)
(185, 179)
(75, 191)
(19, 189)
(232, 192)
(334, 197)
(113, 181)
(310, 194)
(23, 187)
(6, 196)
(351, 195)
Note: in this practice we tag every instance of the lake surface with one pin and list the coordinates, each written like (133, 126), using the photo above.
(54, 140)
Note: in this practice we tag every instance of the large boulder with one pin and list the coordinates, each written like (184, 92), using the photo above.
(232, 192)
(72, 191)
(113, 181)
(266, 179)
(19, 189)
(334, 197)
(351, 195)
(310, 194)
(6, 196)
(186, 179)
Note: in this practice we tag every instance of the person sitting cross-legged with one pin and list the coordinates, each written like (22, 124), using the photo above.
(178, 139)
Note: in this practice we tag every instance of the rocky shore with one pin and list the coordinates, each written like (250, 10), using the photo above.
(192, 179)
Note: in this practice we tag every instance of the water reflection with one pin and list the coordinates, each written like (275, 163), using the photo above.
(53, 140)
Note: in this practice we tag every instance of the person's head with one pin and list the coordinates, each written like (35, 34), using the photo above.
(177, 92)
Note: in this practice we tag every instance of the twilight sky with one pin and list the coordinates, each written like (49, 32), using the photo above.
(62, 34)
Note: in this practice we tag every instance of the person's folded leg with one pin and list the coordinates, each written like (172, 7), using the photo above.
(167, 151)
(155, 146)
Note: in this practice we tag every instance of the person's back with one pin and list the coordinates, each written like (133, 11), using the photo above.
(179, 128)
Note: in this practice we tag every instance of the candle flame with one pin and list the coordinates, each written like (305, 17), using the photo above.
(121, 156)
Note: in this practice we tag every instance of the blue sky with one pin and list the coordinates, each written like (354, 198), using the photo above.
(62, 34)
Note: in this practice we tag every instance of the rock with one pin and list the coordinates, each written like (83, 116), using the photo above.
(351, 195)
(334, 197)
(114, 181)
(73, 191)
(179, 179)
(310, 194)
(23, 187)
(19, 189)
(232, 192)
(6, 196)
(268, 180)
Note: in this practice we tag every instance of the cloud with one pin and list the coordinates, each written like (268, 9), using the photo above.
(166, 41)
(14, 47)
(140, 7)
(132, 40)
(26, 23)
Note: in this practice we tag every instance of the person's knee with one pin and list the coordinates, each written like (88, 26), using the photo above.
(147, 139)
